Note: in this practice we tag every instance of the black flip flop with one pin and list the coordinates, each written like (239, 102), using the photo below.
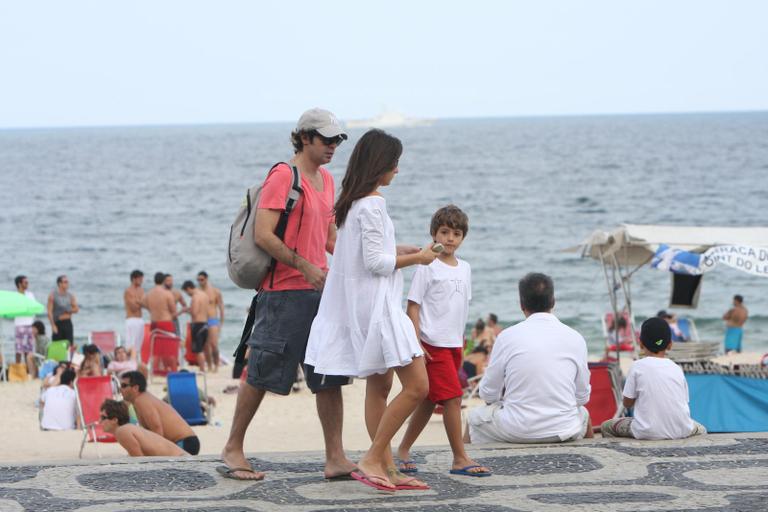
(228, 472)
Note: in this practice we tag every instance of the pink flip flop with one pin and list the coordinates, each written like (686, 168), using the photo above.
(369, 481)
(403, 486)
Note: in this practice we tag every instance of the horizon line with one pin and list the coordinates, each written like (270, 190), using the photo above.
(449, 118)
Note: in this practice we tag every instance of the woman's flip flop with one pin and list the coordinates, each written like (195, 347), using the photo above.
(369, 480)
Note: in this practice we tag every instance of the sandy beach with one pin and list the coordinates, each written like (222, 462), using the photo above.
(282, 424)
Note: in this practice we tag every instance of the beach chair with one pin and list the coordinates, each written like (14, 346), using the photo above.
(605, 401)
(91, 393)
(107, 341)
(58, 351)
(184, 396)
(688, 328)
(163, 353)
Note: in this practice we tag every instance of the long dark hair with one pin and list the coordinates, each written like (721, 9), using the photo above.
(375, 154)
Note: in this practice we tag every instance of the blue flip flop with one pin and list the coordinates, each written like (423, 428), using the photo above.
(465, 471)
(402, 469)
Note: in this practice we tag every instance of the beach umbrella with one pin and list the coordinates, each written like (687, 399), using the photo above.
(13, 304)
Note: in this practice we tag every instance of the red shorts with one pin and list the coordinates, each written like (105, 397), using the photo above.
(443, 373)
(163, 326)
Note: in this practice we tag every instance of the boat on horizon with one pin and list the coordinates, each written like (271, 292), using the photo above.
(388, 119)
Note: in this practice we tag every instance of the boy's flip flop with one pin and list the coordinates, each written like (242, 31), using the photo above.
(465, 471)
(369, 481)
(402, 466)
(228, 472)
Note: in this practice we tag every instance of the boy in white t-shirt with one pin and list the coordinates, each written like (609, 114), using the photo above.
(438, 306)
(657, 389)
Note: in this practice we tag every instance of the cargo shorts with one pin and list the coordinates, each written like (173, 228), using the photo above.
(278, 342)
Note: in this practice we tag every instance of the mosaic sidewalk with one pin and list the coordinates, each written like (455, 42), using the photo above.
(714, 472)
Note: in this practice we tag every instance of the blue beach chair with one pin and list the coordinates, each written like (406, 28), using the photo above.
(688, 328)
(185, 397)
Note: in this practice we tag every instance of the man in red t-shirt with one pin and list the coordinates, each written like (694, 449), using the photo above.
(290, 295)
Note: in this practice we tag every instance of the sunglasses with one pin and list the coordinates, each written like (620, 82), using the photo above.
(103, 417)
(124, 385)
(327, 141)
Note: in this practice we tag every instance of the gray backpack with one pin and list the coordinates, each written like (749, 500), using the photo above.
(247, 263)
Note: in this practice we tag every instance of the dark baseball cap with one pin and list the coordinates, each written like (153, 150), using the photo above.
(663, 314)
(655, 334)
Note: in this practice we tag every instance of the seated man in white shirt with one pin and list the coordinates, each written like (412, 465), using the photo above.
(537, 381)
(59, 404)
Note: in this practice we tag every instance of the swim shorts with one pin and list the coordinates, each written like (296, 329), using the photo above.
(190, 444)
(733, 336)
(214, 322)
(25, 340)
(279, 340)
(165, 325)
(199, 336)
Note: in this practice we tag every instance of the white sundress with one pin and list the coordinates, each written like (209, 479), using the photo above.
(361, 328)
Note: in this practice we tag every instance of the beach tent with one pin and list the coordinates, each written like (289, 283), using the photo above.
(722, 403)
(629, 247)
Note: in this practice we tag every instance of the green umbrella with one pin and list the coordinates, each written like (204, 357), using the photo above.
(13, 304)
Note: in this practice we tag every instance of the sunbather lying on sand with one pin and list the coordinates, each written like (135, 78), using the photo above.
(136, 440)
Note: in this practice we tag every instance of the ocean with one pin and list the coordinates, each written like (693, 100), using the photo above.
(96, 203)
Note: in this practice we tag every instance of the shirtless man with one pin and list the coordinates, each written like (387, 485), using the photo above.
(134, 324)
(734, 324)
(161, 305)
(198, 312)
(179, 300)
(156, 415)
(137, 441)
(215, 319)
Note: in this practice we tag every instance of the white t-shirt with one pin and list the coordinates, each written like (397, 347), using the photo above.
(443, 292)
(661, 409)
(538, 371)
(25, 320)
(60, 408)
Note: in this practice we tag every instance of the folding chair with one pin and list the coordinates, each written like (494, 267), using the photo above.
(163, 353)
(107, 341)
(91, 393)
(688, 328)
(58, 351)
(605, 401)
(184, 396)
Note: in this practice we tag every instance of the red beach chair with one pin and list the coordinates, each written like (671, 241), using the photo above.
(163, 353)
(605, 401)
(91, 393)
(107, 341)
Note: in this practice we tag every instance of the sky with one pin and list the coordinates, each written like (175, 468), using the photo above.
(94, 63)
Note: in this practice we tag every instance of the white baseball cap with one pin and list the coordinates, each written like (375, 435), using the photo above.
(321, 121)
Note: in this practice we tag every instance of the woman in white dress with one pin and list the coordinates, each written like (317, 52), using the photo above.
(361, 329)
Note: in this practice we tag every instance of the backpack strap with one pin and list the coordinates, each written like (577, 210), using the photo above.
(294, 193)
